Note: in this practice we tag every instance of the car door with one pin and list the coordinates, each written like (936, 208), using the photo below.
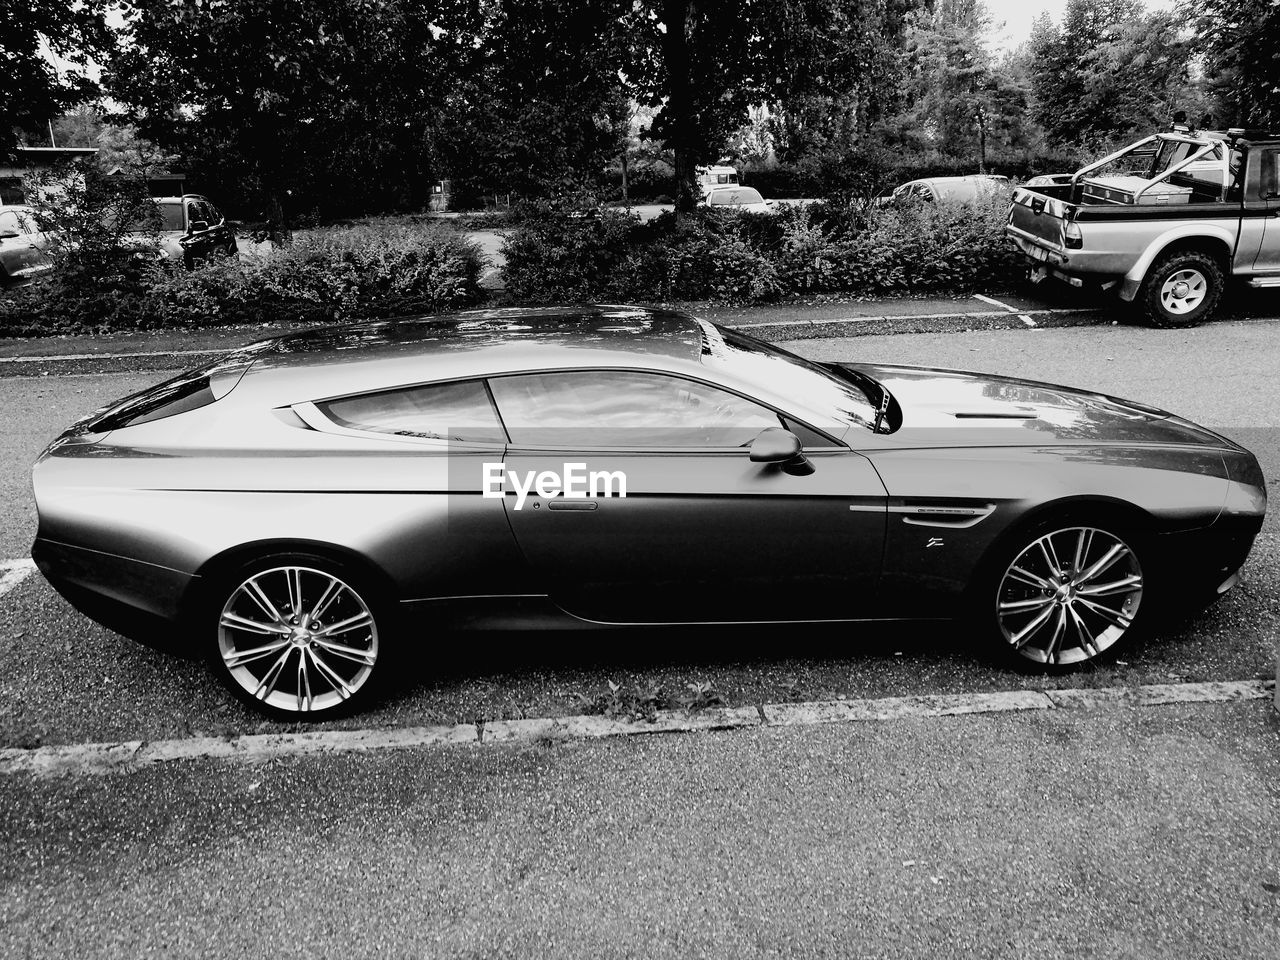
(1268, 257)
(200, 239)
(677, 524)
(224, 237)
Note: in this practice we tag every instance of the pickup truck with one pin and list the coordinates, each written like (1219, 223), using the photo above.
(1165, 222)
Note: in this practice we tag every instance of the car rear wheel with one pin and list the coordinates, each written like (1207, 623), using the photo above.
(1067, 594)
(299, 637)
(1182, 290)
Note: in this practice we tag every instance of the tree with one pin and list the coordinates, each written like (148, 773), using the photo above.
(1242, 60)
(284, 105)
(537, 104)
(33, 88)
(702, 65)
(1109, 71)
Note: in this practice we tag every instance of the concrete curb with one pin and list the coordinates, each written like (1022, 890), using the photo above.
(101, 758)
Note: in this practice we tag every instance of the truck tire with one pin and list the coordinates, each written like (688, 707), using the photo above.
(1181, 289)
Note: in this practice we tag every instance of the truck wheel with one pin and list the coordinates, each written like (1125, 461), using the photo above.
(1182, 290)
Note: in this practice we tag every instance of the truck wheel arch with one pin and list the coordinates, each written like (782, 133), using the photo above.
(1213, 240)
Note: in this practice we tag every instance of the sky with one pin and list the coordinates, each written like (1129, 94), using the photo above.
(1011, 19)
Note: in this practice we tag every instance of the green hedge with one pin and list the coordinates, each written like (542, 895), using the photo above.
(556, 253)
(330, 275)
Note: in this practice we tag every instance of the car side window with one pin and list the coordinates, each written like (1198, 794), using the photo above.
(197, 210)
(605, 409)
(442, 411)
(1270, 174)
(9, 222)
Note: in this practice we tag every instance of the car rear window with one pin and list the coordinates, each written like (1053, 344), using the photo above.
(185, 392)
(442, 411)
(741, 195)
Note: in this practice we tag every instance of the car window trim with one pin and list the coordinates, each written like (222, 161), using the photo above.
(781, 414)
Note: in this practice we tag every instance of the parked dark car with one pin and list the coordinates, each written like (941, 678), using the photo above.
(312, 507)
(191, 230)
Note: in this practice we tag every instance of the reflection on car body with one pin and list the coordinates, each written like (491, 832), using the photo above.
(312, 506)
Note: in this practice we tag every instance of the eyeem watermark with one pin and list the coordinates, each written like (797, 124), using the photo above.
(574, 482)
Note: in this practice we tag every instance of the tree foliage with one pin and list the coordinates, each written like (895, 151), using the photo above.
(1240, 42)
(33, 89)
(963, 102)
(1111, 70)
(270, 99)
(702, 65)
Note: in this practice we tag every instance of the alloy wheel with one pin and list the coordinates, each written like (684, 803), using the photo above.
(1069, 595)
(1183, 291)
(298, 639)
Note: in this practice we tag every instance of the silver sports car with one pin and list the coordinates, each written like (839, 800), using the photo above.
(313, 506)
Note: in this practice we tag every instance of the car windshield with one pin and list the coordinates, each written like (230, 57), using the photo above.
(167, 216)
(838, 403)
(740, 195)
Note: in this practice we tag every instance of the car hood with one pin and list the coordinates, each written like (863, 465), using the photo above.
(955, 406)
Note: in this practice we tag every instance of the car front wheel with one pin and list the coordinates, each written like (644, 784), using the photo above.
(299, 637)
(1066, 594)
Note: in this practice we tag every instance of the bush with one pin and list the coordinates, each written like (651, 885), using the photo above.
(603, 254)
(331, 275)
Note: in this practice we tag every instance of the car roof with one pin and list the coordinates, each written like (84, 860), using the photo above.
(355, 357)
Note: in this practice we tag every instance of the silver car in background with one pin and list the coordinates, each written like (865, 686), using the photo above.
(23, 246)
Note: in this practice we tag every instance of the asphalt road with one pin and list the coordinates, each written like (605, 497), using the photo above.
(1116, 833)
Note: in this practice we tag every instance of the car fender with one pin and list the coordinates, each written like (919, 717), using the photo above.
(1138, 272)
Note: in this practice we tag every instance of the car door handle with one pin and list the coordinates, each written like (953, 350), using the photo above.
(559, 503)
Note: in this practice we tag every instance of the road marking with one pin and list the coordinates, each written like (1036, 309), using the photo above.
(14, 572)
(98, 758)
(994, 302)
(983, 314)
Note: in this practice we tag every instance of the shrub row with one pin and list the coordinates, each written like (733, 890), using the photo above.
(332, 275)
(557, 253)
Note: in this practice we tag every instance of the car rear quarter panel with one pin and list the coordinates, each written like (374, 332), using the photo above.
(413, 513)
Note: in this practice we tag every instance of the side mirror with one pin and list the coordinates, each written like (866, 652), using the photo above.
(776, 445)
(199, 226)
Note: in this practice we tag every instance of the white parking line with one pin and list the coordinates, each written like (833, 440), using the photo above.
(97, 758)
(984, 314)
(1014, 310)
(13, 572)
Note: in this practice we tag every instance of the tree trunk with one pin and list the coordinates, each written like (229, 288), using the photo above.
(675, 48)
(982, 140)
(626, 200)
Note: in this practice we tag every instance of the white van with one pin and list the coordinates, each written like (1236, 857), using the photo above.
(716, 176)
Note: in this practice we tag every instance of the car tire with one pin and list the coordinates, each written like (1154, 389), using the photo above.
(1182, 290)
(1065, 592)
(299, 637)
